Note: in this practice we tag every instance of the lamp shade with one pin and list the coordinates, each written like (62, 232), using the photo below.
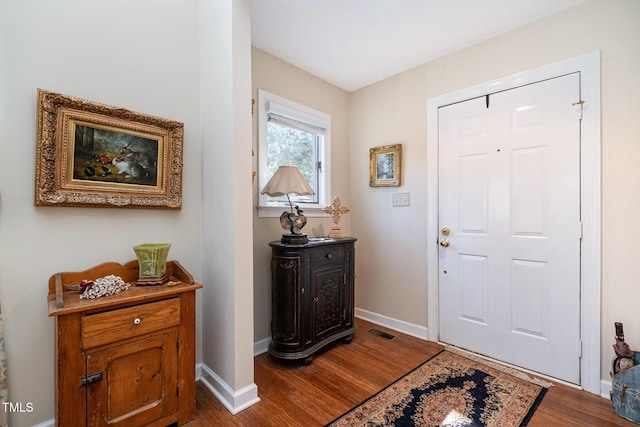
(287, 180)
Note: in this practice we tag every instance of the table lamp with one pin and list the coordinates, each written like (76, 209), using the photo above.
(288, 180)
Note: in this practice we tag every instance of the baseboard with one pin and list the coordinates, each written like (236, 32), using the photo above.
(391, 323)
(605, 389)
(234, 401)
(260, 347)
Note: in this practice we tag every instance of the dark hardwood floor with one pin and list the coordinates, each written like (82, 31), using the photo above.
(343, 375)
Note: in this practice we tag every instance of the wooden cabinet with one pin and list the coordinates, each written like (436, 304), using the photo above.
(126, 359)
(312, 296)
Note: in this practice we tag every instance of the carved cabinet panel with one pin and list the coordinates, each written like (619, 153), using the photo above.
(312, 296)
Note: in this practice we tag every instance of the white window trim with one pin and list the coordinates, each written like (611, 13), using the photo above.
(270, 103)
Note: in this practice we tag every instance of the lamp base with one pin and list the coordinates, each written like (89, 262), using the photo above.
(294, 239)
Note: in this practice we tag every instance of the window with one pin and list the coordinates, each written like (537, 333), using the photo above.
(290, 134)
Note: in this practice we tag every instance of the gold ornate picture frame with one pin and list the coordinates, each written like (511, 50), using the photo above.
(385, 166)
(91, 154)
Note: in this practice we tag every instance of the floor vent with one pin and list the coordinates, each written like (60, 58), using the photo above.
(381, 334)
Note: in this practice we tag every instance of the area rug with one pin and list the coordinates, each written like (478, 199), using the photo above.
(451, 390)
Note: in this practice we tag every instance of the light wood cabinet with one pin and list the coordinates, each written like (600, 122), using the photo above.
(126, 359)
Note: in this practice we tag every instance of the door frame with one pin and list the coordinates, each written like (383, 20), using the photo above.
(588, 65)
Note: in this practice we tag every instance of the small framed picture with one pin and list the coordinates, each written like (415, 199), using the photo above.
(385, 166)
(90, 154)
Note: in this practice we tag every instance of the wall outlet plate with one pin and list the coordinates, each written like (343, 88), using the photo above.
(400, 199)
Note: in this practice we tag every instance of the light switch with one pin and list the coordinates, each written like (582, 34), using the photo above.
(400, 199)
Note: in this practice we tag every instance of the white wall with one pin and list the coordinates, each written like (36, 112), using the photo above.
(225, 55)
(392, 275)
(139, 55)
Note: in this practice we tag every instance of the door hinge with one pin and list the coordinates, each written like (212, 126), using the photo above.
(580, 230)
(319, 166)
(90, 379)
(578, 107)
(579, 348)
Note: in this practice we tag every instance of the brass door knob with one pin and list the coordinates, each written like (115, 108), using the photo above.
(444, 243)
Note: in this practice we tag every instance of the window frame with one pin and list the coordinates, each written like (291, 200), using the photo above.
(271, 103)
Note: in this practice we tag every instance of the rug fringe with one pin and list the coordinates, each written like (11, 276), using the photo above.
(497, 365)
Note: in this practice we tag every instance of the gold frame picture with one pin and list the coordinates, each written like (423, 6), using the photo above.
(91, 154)
(385, 166)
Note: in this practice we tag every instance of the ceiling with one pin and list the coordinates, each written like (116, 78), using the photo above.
(353, 43)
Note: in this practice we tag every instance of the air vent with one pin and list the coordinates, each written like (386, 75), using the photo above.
(381, 334)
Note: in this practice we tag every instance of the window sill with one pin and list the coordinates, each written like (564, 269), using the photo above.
(276, 211)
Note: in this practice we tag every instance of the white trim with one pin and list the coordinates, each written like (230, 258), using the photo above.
(269, 102)
(261, 347)
(391, 323)
(294, 111)
(588, 65)
(234, 401)
(605, 389)
(198, 371)
(276, 211)
(48, 423)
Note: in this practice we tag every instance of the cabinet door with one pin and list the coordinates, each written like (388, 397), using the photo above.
(287, 301)
(330, 302)
(139, 383)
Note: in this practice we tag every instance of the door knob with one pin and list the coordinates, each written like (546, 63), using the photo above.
(444, 243)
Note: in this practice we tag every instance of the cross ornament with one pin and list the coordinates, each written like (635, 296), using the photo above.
(336, 210)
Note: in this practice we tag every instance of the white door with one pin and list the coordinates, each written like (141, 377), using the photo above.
(509, 211)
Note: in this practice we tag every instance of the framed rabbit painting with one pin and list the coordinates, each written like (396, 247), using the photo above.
(91, 154)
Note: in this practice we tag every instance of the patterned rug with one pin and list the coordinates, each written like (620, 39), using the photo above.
(451, 390)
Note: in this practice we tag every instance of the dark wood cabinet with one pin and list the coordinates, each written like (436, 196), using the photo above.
(312, 288)
(126, 359)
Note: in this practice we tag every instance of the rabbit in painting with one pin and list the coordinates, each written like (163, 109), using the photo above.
(139, 157)
(129, 167)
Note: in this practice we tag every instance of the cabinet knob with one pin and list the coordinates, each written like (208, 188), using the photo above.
(328, 256)
(136, 321)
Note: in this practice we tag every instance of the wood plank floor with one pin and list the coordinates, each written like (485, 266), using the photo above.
(341, 376)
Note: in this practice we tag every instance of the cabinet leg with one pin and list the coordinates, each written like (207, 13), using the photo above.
(347, 339)
(307, 360)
